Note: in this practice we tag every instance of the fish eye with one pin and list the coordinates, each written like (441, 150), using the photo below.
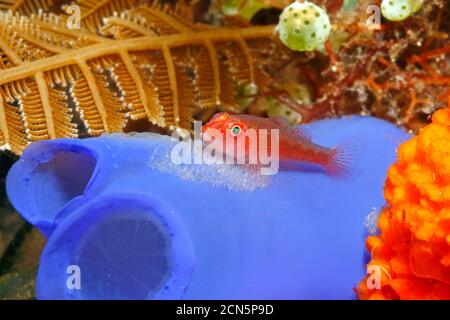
(235, 130)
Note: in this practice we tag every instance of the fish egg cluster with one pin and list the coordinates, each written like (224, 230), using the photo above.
(304, 26)
(398, 10)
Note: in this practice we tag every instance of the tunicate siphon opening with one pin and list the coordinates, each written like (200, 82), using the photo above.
(119, 247)
(61, 179)
(50, 177)
(127, 256)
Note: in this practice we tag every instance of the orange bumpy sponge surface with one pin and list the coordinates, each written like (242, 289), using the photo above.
(411, 256)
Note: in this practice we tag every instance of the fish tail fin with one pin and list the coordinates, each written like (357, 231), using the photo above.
(344, 158)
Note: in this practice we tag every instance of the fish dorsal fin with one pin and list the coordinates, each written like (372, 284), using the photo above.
(300, 133)
(281, 122)
(295, 132)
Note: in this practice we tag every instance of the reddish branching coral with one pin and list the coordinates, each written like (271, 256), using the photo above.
(413, 249)
(399, 71)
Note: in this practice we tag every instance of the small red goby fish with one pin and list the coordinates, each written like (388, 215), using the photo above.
(295, 144)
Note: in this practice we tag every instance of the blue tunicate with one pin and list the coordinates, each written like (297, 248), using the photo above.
(140, 227)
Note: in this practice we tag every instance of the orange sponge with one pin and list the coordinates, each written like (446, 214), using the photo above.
(411, 256)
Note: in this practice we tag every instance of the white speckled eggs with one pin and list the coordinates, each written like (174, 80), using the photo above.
(398, 10)
(304, 26)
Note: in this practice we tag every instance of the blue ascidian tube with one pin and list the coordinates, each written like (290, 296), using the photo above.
(124, 222)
